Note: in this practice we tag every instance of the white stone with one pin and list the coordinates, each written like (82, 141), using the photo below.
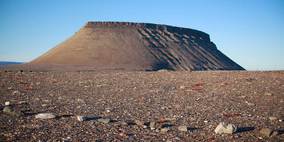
(182, 87)
(16, 92)
(87, 118)
(223, 128)
(7, 103)
(45, 116)
(80, 118)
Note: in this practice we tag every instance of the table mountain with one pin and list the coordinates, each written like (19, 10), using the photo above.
(137, 46)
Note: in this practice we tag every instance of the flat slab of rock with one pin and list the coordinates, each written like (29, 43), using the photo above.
(268, 132)
(223, 128)
(164, 130)
(45, 116)
(8, 110)
(182, 128)
(272, 118)
(104, 120)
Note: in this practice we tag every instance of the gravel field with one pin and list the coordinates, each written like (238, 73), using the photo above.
(141, 106)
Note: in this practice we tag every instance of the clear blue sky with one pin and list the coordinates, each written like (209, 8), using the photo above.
(251, 32)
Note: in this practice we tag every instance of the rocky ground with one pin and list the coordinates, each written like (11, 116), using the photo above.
(141, 106)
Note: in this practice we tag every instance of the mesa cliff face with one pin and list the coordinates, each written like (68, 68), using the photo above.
(137, 46)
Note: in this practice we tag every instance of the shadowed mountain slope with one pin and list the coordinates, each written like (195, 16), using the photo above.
(137, 46)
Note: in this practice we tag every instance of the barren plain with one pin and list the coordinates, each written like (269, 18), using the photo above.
(141, 106)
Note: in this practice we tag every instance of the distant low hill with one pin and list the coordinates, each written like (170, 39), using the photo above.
(136, 46)
(4, 64)
(9, 63)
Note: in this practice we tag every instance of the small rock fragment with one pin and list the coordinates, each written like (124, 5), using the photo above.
(181, 87)
(80, 101)
(80, 118)
(275, 133)
(123, 123)
(68, 139)
(104, 120)
(16, 92)
(152, 125)
(162, 70)
(107, 110)
(22, 102)
(45, 116)
(266, 132)
(43, 105)
(86, 118)
(268, 94)
(8, 110)
(182, 128)
(272, 118)
(164, 130)
(122, 134)
(7, 103)
(138, 122)
(260, 138)
(249, 104)
(130, 122)
(223, 128)
(163, 108)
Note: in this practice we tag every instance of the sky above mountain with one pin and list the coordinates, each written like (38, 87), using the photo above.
(250, 32)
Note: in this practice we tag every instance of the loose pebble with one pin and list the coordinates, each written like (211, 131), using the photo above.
(182, 128)
(16, 92)
(86, 118)
(80, 118)
(152, 125)
(181, 87)
(266, 132)
(223, 128)
(268, 94)
(8, 110)
(272, 118)
(164, 130)
(7, 103)
(138, 122)
(249, 104)
(104, 120)
(45, 116)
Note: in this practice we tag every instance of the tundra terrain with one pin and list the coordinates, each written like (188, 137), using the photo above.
(141, 106)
